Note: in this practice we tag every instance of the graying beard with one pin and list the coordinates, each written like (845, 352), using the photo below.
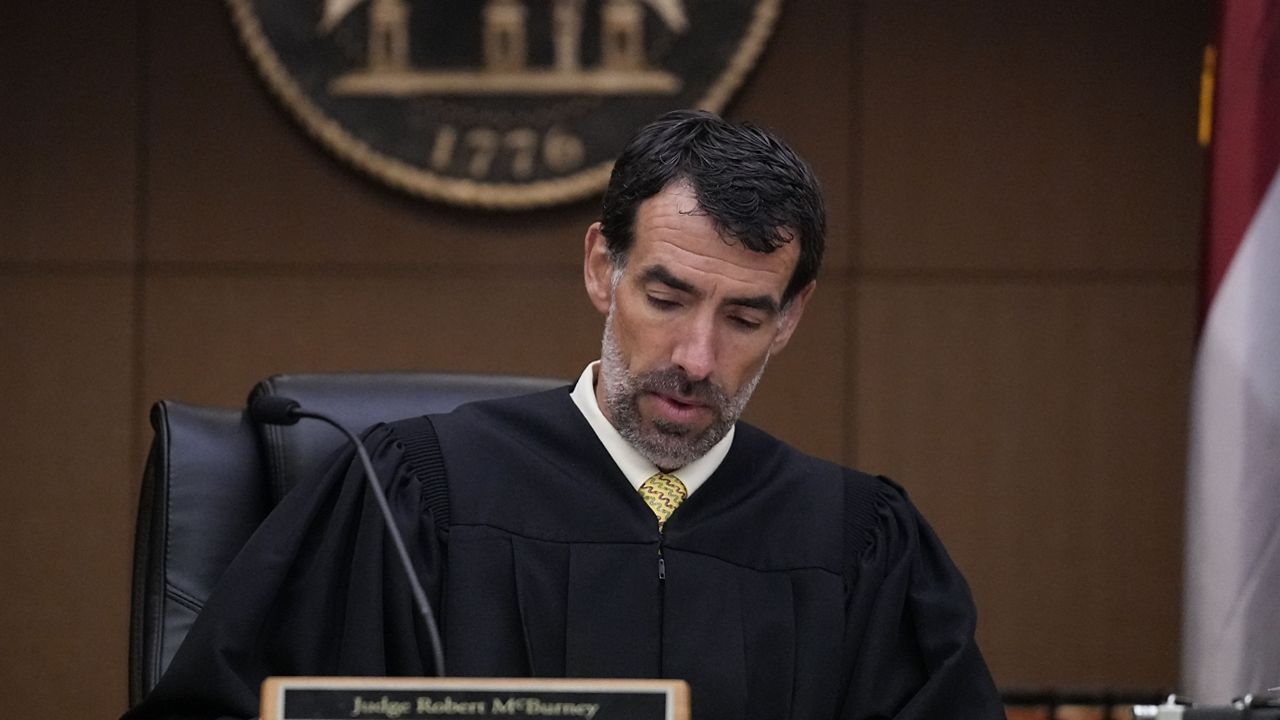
(670, 447)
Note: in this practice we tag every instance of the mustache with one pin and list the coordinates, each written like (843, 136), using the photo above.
(674, 381)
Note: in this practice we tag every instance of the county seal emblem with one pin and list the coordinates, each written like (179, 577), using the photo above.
(496, 103)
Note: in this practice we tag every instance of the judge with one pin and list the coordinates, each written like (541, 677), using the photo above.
(630, 525)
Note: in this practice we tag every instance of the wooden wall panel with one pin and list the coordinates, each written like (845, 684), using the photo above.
(803, 89)
(1024, 420)
(801, 398)
(1014, 135)
(68, 124)
(209, 338)
(66, 352)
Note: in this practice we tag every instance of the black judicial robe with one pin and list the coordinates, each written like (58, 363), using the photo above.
(789, 587)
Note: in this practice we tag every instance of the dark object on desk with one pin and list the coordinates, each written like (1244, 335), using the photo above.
(1247, 707)
(1223, 712)
(1075, 704)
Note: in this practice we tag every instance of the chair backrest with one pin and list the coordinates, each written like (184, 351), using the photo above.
(213, 475)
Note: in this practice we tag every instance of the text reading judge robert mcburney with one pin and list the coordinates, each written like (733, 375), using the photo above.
(384, 708)
(628, 525)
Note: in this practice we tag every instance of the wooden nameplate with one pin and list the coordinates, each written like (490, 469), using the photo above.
(355, 698)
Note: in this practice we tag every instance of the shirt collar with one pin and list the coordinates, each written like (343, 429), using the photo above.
(636, 467)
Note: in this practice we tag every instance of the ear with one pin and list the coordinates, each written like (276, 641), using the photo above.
(791, 317)
(597, 269)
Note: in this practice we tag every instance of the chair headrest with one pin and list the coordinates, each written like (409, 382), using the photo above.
(359, 400)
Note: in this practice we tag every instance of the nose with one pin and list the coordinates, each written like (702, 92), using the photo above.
(695, 349)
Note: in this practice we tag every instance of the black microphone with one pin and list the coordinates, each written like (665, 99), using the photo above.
(278, 410)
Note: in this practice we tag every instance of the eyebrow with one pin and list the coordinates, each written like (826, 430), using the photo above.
(660, 274)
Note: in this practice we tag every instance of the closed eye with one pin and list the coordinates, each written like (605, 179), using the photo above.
(744, 323)
(662, 303)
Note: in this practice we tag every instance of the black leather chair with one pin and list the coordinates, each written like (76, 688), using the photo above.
(213, 475)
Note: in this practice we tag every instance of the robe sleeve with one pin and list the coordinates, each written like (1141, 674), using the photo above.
(910, 626)
(317, 590)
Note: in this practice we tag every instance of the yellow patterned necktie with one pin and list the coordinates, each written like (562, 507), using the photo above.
(663, 493)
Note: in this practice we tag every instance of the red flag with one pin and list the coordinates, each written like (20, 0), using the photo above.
(1231, 624)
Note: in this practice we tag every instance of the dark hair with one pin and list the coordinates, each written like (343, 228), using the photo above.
(756, 190)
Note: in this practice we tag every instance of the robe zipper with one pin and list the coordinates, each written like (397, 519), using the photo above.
(662, 607)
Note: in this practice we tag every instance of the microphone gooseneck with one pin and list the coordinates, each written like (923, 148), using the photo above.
(278, 410)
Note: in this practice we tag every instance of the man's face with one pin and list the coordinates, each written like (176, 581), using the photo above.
(691, 321)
